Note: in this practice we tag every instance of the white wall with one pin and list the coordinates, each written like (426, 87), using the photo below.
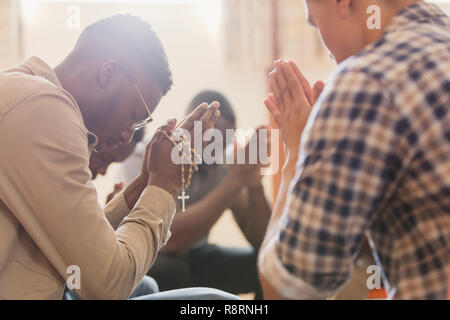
(195, 53)
(192, 41)
(191, 33)
(9, 40)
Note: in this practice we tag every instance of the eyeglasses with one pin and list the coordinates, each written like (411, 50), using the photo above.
(142, 123)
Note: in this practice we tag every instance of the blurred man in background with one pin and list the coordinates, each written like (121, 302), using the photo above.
(188, 259)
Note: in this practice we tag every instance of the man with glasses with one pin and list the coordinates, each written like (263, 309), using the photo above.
(50, 122)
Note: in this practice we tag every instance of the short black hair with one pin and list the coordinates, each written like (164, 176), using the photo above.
(124, 32)
(209, 96)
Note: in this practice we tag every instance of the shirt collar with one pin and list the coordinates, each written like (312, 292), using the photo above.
(40, 68)
(417, 13)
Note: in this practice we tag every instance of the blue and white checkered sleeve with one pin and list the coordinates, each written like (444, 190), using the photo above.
(350, 157)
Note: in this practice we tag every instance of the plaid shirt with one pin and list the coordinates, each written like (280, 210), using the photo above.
(374, 161)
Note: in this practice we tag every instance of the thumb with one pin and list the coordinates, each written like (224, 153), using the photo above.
(317, 90)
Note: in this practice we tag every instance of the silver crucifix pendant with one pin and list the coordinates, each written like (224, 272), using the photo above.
(183, 199)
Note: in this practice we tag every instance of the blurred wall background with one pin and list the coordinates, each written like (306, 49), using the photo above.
(10, 37)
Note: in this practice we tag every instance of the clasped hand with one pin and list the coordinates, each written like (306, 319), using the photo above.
(290, 102)
(158, 169)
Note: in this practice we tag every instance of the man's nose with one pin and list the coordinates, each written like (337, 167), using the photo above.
(126, 136)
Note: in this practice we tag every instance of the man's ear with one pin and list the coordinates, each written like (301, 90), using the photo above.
(344, 7)
(108, 73)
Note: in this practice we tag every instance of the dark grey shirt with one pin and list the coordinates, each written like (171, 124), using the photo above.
(203, 182)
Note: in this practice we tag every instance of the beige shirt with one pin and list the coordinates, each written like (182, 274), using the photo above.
(50, 218)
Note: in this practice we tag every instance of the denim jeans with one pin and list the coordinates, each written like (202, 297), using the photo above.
(190, 294)
(148, 290)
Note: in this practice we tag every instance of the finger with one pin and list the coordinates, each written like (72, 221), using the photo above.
(212, 121)
(188, 122)
(274, 111)
(281, 88)
(273, 87)
(215, 118)
(275, 104)
(272, 98)
(317, 90)
(295, 87)
(208, 119)
(205, 118)
(305, 83)
(210, 113)
(276, 92)
(286, 97)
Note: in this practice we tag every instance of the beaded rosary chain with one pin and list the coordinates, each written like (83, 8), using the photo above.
(192, 165)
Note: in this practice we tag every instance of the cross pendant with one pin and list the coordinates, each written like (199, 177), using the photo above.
(183, 198)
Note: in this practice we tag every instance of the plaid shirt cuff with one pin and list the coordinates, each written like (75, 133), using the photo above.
(286, 284)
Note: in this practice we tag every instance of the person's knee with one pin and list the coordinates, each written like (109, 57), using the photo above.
(147, 286)
(150, 284)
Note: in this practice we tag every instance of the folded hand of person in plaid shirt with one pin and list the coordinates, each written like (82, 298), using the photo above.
(373, 157)
(290, 103)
